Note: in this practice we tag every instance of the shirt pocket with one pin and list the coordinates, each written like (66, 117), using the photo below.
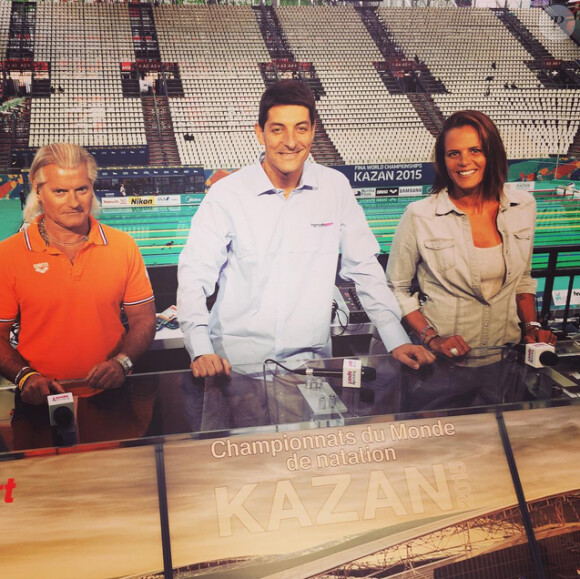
(440, 254)
(522, 247)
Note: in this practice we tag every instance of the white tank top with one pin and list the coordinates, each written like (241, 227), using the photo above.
(491, 269)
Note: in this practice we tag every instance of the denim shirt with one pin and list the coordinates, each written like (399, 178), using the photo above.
(433, 248)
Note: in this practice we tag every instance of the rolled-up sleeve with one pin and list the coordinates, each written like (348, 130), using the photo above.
(402, 265)
(528, 285)
(359, 264)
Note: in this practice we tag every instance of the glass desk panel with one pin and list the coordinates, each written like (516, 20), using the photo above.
(267, 396)
(244, 469)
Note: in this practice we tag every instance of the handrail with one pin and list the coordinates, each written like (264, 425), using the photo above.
(550, 272)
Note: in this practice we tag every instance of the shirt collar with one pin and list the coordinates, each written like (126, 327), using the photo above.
(308, 179)
(445, 205)
(508, 200)
(34, 241)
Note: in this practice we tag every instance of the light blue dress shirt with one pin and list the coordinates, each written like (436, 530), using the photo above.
(275, 260)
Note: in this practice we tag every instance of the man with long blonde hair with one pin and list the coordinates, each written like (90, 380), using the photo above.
(65, 280)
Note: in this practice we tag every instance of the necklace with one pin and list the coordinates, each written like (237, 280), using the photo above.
(48, 239)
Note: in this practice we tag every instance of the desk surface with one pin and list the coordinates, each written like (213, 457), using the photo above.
(266, 396)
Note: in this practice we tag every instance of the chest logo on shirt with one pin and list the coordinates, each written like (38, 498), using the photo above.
(41, 267)
(322, 224)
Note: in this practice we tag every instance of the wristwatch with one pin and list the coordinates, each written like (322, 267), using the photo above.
(532, 325)
(125, 362)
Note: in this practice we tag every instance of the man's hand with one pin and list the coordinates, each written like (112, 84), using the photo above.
(38, 387)
(413, 356)
(450, 346)
(210, 365)
(106, 375)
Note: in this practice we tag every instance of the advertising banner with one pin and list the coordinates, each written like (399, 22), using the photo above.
(547, 456)
(158, 201)
(107, 202)
(192, 198)
(85, 514)
(167, 200)
(144, 201)
(546, 450)
(388, 175)
(298, 503)
(560, 296)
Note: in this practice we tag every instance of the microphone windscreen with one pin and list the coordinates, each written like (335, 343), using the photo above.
(63, 416)
(548, 358)
(368, 373)
(367, 396)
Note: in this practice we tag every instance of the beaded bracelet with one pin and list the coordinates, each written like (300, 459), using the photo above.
(425, 331)
(430, 339)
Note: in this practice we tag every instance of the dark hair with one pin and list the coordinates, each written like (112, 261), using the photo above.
(286, 92)
(496, 166)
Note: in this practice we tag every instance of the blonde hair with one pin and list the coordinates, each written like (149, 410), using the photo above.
(65, 156)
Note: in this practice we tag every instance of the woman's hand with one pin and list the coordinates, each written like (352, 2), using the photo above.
(450, 346)
(533, 335)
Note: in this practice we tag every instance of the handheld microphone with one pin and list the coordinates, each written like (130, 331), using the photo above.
(367, 373)
(62, 419)
(538, 354)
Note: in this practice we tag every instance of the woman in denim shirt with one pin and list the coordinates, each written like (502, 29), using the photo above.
(460, 260)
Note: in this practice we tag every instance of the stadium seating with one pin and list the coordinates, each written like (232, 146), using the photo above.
(85, 45)
(465, 48)
(365, 122)
(4, 25)
(219, 49)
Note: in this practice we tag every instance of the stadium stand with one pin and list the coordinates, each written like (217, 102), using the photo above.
(5, 9)
(84, 45)
(489, 72)
(218, 49)
(183, 81)
(366, 123)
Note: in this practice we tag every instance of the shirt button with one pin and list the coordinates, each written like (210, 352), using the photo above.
(507, 251)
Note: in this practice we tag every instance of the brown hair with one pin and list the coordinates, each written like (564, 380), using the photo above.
(495, 174)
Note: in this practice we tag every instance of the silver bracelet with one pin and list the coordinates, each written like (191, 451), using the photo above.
(21, 373)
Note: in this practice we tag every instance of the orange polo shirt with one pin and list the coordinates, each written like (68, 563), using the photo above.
(70, 312)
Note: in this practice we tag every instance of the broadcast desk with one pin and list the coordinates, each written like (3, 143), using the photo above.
(465, 466)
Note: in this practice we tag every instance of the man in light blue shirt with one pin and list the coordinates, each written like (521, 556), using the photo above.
(270, 235)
